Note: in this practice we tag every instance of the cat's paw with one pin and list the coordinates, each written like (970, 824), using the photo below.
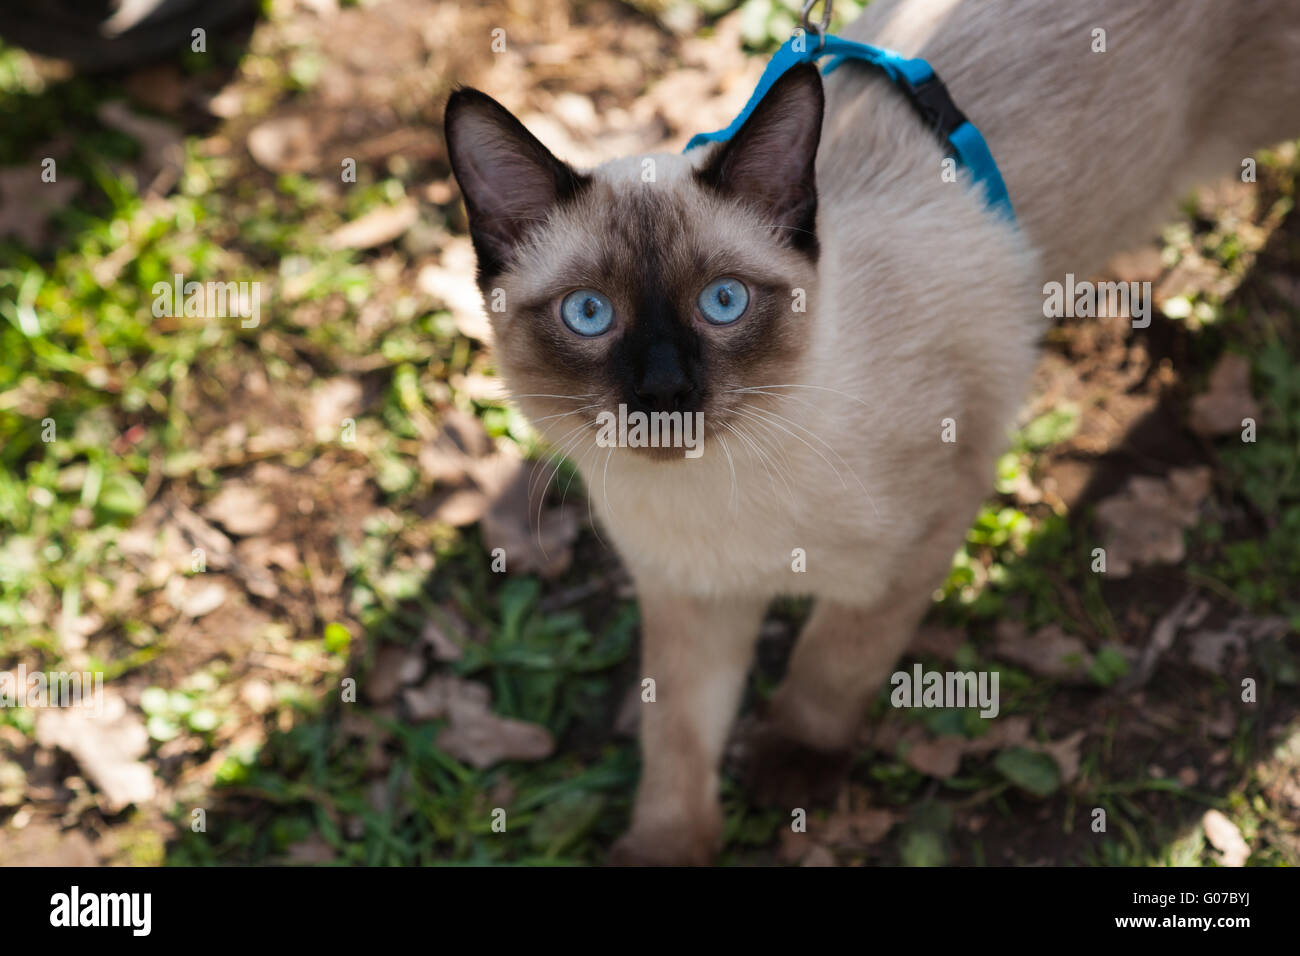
(685, 847)
(780, 771)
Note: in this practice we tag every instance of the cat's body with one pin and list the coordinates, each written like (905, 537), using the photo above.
(831, 475)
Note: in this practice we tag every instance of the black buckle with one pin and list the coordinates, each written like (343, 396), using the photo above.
(934, 105)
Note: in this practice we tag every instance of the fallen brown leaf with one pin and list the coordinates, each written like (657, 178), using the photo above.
(482, 739)
(452, 284)
(474, 733)
(242, 509)
(939, 757)
(1220, 410)
(938, 641)
(1144, 523)
(162, 157)
(1226, 838)
(107, 746)
(1049, 652)
(376, 227)
(284, 144)
(1213, 649)
(534, 539)
(395, 666)
(26, 204)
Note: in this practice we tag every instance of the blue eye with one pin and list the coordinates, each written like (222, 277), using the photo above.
(723, 301)
(587, 312)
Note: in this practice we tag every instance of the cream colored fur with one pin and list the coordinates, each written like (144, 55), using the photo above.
(925, 307)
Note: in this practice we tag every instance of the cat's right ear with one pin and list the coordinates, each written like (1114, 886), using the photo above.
(770, 161)
(510, 181)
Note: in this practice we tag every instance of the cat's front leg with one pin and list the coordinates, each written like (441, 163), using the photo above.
(803, 749)
(697, 651)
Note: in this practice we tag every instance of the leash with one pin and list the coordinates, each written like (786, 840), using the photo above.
(913, 77)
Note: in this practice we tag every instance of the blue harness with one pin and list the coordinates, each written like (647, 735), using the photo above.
(915, 79)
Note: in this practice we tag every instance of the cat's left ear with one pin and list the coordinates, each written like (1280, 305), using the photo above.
(510, 181)
(769, 162)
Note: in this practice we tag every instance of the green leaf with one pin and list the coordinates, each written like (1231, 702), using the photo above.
(121, 496)
(1056, 426)
(923, 848)
(562, 823)
(1033, 772)
(1108, 666)
(337, 638)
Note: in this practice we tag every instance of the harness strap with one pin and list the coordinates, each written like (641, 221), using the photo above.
(915, 79)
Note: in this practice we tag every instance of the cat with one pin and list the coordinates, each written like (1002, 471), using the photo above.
(857, 330)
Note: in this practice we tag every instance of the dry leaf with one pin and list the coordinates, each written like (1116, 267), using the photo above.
(43, 844)
(1066, 754)
(792, 845)
(939, 757)
(461, 507)
(242, 509)
(481, 739)
(395, 665)
(1144, 523)
(107, 746)
(449, 457)
(284, 144)
(1049, 652)
(452, 284)
(1220, 410)
(26, 204)
(314, 849)
(432, 700)
(1212, 650)
(937, 641)
(531, 543)
(818, 855)
(376, 227)
(858, 828)
(331, 402)
(473, 733)
(445, 646)
(1226, 838)
(162, 157)
(196, 596)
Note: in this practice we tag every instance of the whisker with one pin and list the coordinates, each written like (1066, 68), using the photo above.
(572, 398)
(779, 453)
(572, 411)
(769, 464)
(810, 432)
(821, 388)
(763, 415)
(731, 500)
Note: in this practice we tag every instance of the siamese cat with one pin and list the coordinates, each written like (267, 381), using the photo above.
(856, 329)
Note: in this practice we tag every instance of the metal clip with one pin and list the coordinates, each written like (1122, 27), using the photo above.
(820, 27)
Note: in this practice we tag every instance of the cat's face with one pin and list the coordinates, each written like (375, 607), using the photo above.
(660, 283)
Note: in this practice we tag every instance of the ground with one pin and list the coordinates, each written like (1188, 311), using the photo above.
(274, 540)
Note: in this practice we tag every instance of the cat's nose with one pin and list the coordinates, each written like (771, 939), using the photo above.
(664, 385)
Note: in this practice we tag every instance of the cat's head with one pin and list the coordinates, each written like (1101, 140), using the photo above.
(661, 283)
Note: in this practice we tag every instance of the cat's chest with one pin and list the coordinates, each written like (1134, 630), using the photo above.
(758, 535)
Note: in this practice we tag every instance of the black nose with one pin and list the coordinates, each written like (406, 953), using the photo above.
(664, 384)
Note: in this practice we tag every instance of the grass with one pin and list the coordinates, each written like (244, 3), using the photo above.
(132, 401)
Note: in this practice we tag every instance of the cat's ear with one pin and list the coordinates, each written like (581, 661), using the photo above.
(769, 161)
(510, 181)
